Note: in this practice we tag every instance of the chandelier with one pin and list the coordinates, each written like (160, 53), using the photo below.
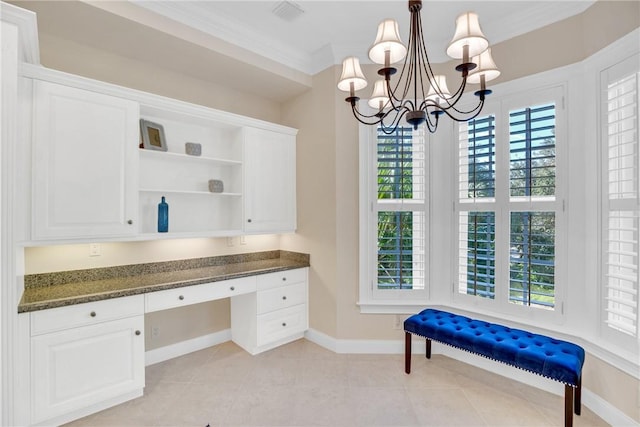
(419, 95)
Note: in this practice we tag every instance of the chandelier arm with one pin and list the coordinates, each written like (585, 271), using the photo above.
(362, 117)
(393, 127)
(474, 113)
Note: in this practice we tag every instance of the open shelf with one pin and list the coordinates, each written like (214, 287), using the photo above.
(195, 193)
(186, 157)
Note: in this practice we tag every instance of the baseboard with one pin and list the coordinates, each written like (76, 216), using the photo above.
(595, 403)
(181, 348)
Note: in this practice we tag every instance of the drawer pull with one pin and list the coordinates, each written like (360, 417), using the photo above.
(284, 324)
(284, 297)
(92, 314)
(137, 332)
(181, 297)
(233, 288)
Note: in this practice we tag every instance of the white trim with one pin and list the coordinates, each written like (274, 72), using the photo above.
(595, 403)
(181, 348)
(26, 21)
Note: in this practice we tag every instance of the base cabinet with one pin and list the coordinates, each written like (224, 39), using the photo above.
(274, 315)
(77, 367)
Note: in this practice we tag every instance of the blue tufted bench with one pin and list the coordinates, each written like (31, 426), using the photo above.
(559, 360)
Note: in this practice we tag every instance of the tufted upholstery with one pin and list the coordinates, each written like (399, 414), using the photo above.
(555, 359)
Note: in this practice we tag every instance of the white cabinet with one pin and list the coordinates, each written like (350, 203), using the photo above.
(269, 181)
(91, 181)
(274, 315)
(84, 168)
(85, 355)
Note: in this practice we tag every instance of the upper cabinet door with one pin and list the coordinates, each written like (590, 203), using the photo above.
(85, 158)
(270, 181)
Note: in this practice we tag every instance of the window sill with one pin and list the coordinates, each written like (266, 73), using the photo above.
(392, 307)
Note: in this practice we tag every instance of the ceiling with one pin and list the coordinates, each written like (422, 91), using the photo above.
(326, 31)
(243, 45)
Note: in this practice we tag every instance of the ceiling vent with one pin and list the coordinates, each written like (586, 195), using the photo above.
(287, 10)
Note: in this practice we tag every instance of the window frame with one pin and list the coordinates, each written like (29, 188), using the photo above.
(372, 299)
(611, 74)
(502, 204)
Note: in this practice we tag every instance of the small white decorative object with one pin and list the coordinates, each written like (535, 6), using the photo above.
(193, 148)
(216, 186)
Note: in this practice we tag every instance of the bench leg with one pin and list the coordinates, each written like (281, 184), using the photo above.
(577, 398)
(568, 406)
(407, 352)
(428, 353)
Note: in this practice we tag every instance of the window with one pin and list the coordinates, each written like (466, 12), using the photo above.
(396, 215)
(620, 199)
(508, 204)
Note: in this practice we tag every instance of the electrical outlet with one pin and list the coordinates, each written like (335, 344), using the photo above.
(229, 241)
(243, 240)
(398, 322)
(95, 249)
(155, 332)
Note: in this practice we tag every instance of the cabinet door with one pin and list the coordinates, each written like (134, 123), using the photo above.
(270, 181)
(85, 154)
(78, 367)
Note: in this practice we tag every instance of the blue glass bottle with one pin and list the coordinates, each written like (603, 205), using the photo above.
(163, 216)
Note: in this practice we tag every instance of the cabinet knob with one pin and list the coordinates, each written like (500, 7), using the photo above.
(284, 324)
(284, 297)
(249, 220)
(181, 297)
(284, 279)
(137, 332)
(130, 222)
(92, 314)
(233, 288)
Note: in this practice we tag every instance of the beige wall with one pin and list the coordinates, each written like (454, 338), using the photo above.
(313, 113)
(77, 58)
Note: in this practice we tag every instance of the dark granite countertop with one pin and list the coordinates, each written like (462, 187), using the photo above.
(50, 290)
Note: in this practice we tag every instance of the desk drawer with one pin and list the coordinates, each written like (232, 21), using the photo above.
(282, 297)
(280, 278)
(56, 319)
(281, 324)
(195, 294)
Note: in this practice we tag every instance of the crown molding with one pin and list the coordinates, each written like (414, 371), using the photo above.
(230, 30)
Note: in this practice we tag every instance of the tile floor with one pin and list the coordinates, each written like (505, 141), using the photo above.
(302, 384)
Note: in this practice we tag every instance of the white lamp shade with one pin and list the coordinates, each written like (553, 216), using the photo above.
(485, 67)
(387, 40)
(438, 91)
(468, 33)
(351, 73)
(380, 96)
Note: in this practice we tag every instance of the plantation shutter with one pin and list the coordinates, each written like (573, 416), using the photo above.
(400, 210)
(476, 190)
(532, 176)
(620, 202)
